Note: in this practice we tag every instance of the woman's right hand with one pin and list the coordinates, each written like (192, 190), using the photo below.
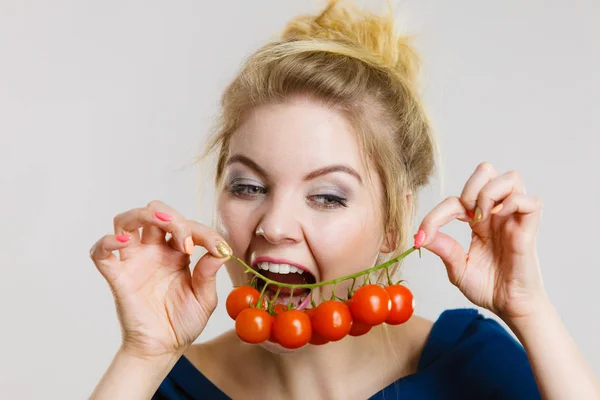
(161, 305)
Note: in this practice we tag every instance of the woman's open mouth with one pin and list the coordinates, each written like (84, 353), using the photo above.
(288, 274)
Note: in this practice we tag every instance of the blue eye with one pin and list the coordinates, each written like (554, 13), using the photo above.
(329, 201)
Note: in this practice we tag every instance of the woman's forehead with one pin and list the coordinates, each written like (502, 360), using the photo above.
(299, 133)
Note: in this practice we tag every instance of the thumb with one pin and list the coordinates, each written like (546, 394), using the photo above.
(452, 254)
(204, 280)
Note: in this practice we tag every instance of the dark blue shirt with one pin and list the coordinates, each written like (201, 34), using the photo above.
(466, 356)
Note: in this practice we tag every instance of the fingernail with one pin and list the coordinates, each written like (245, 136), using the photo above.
(163, 216)
(497, 208)
(471, 214)
(419, 238)
(123, 238)
(478, 215)
(223, 249)
(189, 245)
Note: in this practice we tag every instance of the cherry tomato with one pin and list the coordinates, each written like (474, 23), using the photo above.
(315, 339)
(359, 329)
(253, 325)
(403, 304)
(239, 299)
(370, 305)
(292, 329)
(279, 308)
(332, 320)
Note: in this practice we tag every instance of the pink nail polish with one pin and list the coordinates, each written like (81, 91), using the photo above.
(163, 216)
(419, 238)
(123, 238)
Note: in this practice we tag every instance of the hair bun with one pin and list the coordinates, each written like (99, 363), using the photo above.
(369, 37)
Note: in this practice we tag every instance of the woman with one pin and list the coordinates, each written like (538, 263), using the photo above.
(322, 144)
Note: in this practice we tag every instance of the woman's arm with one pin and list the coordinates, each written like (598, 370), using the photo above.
(501, 273)
(131, 377)
(162, 307)
(560, 369)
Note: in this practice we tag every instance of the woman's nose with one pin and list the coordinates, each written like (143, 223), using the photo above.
(280, 222)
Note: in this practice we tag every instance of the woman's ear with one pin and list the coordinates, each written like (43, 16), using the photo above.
(389, 241)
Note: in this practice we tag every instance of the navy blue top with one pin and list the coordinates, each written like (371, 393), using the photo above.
(467, 356)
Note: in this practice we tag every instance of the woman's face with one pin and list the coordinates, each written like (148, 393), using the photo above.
(295, 193)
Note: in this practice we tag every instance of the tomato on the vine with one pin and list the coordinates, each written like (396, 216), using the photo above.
(403, 304)
(359, 329)
(279, 308)
(315, 339)
(292, 329)
(240, 299)
(253, 325)
(370, 305)
(332, 320)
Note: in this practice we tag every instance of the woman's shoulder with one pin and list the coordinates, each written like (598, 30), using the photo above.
(467, 352)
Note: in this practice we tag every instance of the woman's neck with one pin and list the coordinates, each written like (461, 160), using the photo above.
(353, 366)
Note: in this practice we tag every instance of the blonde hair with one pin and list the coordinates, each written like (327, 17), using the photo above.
(352, 61)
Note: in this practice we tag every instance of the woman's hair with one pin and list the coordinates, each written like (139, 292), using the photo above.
(353, 62)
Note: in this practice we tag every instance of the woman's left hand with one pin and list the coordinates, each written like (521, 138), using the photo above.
(501, 270)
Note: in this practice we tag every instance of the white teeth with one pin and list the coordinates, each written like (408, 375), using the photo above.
(274, 268)
(284, 269)
(280, 268)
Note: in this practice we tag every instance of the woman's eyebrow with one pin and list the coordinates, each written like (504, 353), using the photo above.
(238, 158)
(334, 168)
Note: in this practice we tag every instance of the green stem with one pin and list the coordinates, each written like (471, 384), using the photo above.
(291, 298)
(329, 282)
(269, 308)
(259, 301)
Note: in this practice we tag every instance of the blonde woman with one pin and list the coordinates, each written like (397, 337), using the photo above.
(322, 147)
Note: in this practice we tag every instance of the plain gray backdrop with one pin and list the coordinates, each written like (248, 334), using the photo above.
(104, 105)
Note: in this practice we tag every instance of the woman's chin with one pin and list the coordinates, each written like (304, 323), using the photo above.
(276, 348)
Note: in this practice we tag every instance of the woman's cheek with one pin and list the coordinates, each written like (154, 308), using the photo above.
(345, 247)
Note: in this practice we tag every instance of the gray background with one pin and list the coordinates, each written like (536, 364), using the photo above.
(104, 104)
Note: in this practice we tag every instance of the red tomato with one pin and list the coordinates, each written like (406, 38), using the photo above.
(239, 299)
(315, 339)
(358, 328)
(253, 325)
(403, 304)
(292, 329)
(370, 305)
(332, 320)
(279, 308)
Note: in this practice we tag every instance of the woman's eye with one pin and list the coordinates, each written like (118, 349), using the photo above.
(246, 190)
(329, 201)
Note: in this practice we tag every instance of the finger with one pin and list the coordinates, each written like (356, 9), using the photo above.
(209, 239)
(101, 252)
(155, 234)
(497, 190)
(448, 210)
(134, 219)
(204, 277)
(452, 255)
(520, 203)
(483, 174)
